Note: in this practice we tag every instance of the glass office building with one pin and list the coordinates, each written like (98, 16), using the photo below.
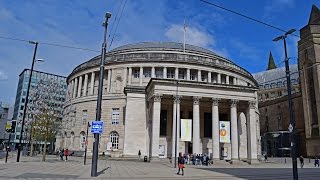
(22, 93)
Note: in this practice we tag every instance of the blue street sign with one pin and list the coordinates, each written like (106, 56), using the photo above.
(97, 127)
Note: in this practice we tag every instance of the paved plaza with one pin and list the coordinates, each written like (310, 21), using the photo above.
(54, 168)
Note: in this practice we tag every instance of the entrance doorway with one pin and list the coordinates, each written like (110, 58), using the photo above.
(189, 147)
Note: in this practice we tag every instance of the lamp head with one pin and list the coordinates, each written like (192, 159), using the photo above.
(108, 15)
(290, 31)
(278, 38)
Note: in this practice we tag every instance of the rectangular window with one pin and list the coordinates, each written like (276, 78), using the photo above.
(147, 73)
(136, 73)
(193, 76)
(115, 116)
(22, 100)
(170, 73)
(208, 125)
(182, 74)
(21, 107)
(163, 123)
(84, 117)
(159, 73)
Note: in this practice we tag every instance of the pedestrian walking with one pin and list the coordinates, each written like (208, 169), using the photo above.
(61, 153)
(301, 161)
(316, 162)
(139, 154)
(66, 153)
(180, 164)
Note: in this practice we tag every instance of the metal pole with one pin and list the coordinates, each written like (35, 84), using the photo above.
(94, 172)
(8, 148)
(85, 151)
(176, 138)
(292, 121)
(27, 96)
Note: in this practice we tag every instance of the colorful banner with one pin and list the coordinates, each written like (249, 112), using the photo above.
(225, 131)
(186, 129)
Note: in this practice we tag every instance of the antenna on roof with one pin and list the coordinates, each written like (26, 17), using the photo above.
(184, 35)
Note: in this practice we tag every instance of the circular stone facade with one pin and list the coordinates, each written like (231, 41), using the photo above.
(131, 69)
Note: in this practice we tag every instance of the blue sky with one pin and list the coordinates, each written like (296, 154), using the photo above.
(78, 23)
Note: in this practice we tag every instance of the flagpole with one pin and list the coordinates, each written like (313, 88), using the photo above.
(184, 36)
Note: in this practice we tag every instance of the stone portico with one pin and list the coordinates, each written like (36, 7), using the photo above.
(194, 101)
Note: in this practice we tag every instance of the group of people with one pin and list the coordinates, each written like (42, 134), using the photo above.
(197, 159)
(63, 152)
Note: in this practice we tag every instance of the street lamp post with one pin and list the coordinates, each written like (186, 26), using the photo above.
(94, 172)
(176, 138)
(292, 127)
(27, 96)
(85, 151)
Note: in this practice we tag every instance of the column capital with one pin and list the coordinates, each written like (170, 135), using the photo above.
(157, 97)
(233, 102)
(196, 100)
(215, 101)
(176, 99)
(252, 104)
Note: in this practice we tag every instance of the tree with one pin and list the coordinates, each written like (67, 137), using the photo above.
(45, 112)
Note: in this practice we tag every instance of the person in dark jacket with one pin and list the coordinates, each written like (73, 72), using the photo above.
(181, 162)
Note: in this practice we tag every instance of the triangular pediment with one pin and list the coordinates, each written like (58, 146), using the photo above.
(314, 16)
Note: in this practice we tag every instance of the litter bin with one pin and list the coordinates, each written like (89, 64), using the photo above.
(145, 159)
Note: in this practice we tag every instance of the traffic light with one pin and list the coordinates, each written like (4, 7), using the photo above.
(13, 126)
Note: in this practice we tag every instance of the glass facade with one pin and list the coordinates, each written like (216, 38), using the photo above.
(22, 93)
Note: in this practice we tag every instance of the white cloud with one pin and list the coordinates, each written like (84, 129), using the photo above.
(276, 6)
(4, 14)
(194, 36)
(246, 50)
(3, 76)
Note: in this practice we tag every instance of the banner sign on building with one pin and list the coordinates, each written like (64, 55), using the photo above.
(186, 129)
(224, 131)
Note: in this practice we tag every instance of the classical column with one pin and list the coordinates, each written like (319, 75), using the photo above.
(125, 76)
(141, 76)
(209, 77)
(92, 83)
(252, 133)
(196, 126)
(130, 76)
(176, 122)
(234, 80)
(176, 73)
(164, 72)
(188, 74)
(75, 87)
(218, 78)
(234, 130)
(80, 86)
(85, 85)
(109, 80)
(227, 79)
(71, 89)
(153, 72)
(156, 126)
(215, 130)
(199, 75)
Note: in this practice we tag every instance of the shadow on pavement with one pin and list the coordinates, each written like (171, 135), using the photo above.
(102, 171)
(45, 176)
(267, 173)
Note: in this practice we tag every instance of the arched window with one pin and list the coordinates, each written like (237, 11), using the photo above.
(114, 139)
(82, 140)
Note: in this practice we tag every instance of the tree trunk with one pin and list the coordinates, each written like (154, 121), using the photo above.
(31, 141)
(45, 142)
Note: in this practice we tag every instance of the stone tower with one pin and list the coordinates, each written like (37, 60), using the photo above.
(271, 64)
(309, 61)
